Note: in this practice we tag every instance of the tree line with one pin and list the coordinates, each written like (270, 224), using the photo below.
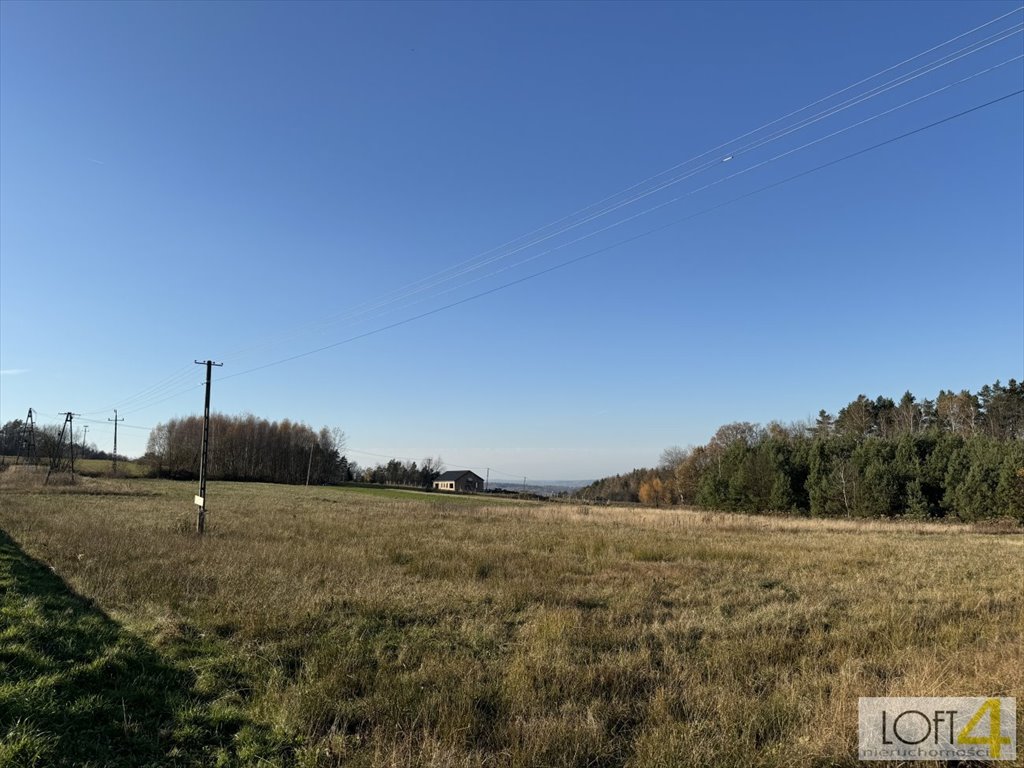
(248, 448)
(244, 448)
(15, 439)
(407, 473)
(960, 455)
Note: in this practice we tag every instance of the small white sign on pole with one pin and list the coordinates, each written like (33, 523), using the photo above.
(198, 500)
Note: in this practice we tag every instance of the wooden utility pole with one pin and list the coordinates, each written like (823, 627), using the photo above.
(309, 466)
(115, 420)
(85, 435)
(71, 440)
(200, 500)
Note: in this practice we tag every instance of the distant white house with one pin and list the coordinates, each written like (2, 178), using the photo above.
(464, 482)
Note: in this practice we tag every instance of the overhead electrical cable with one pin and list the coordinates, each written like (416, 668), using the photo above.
(110, 426)
(627, 240)
(608, 227)
(853, 101)
(476, 263)
(678, 198)
(171, 396)
(170, 382)
(170, 388)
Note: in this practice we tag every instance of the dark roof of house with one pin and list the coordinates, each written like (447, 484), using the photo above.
(454, 474)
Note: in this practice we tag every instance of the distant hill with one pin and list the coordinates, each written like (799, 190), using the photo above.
(624, 487)
(544, 488)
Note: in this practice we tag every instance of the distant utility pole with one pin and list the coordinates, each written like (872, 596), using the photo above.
(487, 480)
(69, 417)
(68, 428)
(28, 444)
(524, 485)
(115, 420)
(309, 466)
(201, 498)
(85, 435)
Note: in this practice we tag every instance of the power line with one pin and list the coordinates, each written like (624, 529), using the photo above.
(162, 385)
(885, 87)
(170, 387)
(670, 201)
(627, 240)
(478, 262)
(107, 423)
(795, 112)
(173, 395)
(858, 124)
(691, 192)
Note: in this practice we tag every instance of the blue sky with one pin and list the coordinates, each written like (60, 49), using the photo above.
(182, 181)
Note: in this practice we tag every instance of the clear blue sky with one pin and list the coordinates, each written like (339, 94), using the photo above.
(186, 180)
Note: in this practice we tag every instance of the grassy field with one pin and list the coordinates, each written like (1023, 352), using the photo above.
(96, 467)
(104, 467)
(330, 626)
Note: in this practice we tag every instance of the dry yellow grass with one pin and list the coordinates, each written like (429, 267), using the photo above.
(439, 632)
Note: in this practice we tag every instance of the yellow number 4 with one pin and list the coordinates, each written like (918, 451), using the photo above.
(994, 740)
